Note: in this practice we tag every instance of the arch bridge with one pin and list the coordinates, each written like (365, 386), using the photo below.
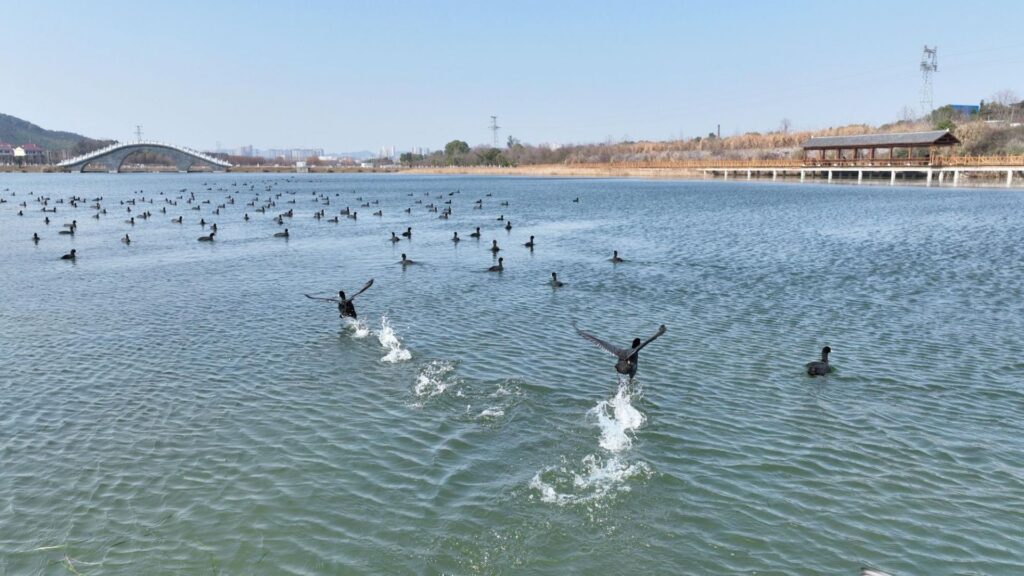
(113, 156)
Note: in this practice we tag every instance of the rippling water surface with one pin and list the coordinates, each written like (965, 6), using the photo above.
(172, 406)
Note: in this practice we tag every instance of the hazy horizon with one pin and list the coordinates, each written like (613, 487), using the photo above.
(358, 77)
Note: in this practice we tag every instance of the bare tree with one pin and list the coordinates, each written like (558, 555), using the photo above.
(1007, 101)
(784, 125)
(1005, 98)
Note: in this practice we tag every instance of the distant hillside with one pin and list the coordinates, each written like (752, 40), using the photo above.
(17, 131)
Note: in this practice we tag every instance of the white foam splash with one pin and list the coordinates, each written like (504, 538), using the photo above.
(491, 413)
(391, 343)
(432, 379)
(617, 418)
(597, 479)
(359, 328)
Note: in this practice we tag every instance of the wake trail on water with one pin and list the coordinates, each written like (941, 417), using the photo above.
(434, 378)
(390, 342)
(601, 473)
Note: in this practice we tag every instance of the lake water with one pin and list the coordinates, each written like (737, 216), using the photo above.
(174, 406)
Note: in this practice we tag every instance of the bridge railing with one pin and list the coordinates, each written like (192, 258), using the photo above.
(795, 163)
(116, 145)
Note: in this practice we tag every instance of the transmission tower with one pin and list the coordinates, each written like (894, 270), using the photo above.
(929, 65)
(138, 132)
(494, 129)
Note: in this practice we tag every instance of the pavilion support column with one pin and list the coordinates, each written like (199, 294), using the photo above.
(1009, 178)
(860, 176)
(803, 175)
(942, 173)
(928, 178)
(892, 181)
(725, 175)
(829, 176)
(748, 174)
(775, 175)
(956, 177)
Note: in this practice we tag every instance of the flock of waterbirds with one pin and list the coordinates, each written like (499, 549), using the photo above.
(142, 207)
(266, 202)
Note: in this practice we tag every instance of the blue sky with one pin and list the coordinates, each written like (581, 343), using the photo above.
(361, 75)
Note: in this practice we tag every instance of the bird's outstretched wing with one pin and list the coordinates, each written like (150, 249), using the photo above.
(613, 350)
(361, 290)
(321, 298)
(661, 330)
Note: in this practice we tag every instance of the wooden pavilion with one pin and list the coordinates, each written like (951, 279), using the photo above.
(903, 148)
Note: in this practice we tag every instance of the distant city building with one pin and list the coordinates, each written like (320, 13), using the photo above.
(965, 110)
(6, 154)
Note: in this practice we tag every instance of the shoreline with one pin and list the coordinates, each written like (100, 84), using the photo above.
(582, 171)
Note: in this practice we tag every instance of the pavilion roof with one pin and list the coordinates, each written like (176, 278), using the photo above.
(898, 139)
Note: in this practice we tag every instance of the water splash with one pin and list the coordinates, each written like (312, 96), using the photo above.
(599, 476)
(433, 378)
(491, 413)
(359, 328)
(597, 479)
(617, 419)
(391, 343)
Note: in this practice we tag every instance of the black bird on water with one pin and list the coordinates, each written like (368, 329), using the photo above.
(499, 267)
(820, 368)
(627, 357)
(69, 255)
(555, 282)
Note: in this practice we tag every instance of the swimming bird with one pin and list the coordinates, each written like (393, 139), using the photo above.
(530, 243)
(615, 257)
(69, 255)
(126, 239)
(499, 267)
(555, 282)
(508, 225)
(408, 232)
(455, 237)
(501, 218)
(577, 199)
(176, 220)
(35, 237)
(345, 304)
(282, 234)
(405, 261)
(820, 368)
(67, 232)
(628, 358)
(494, 246)
(246, 217)
(394, 238)
(475, 234)
(208, 238)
